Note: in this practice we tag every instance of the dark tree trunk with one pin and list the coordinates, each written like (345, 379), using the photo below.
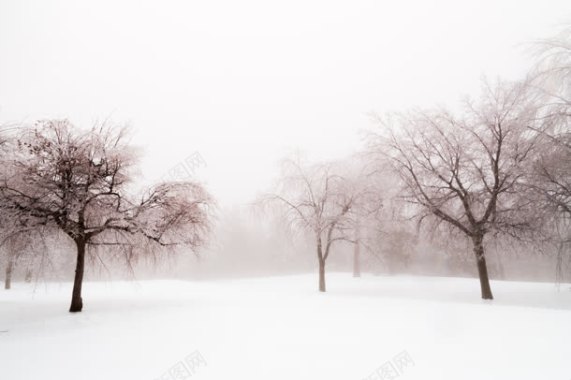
(9, 270)
(482, 268)
(76, 301)
(356, 263)
(321, 261)
(322, 275)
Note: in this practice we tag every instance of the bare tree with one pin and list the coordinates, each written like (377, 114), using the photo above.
(76, 181)
(357, 251)
(552, 187)
(466, 172)
(551, 75)
(551, 78)
(369, 193)
(22, 247)
(315, 199)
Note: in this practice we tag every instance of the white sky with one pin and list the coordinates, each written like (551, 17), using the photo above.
(245, 82)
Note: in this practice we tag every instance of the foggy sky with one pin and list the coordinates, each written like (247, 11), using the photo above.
(246, 82)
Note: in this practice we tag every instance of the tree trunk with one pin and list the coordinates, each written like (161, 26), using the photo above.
(76, 301)
(322, 275)
(482, 268)
(356, 263)
(321, 261)
(9, 270)
(29, 275)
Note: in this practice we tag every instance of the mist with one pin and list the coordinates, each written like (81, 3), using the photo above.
(367, 190)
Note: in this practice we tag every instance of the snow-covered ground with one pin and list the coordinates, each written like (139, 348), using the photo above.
(282, 328)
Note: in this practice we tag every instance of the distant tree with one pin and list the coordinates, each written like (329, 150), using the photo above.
(552, 79)
(10, 257)
(551, 76)
(357, 251)
(552, 187)
(75, 180)
(370, 192)
(468, 172)
(21, 246)
(318, 200)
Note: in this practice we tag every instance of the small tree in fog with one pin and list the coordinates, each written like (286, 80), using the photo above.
(369, 191)
(316, 200)
(468, 172)
(22, 247)
(552, 184)
(75, 180)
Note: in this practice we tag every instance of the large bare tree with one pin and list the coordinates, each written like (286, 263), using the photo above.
(467, 171)
(73, 179)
